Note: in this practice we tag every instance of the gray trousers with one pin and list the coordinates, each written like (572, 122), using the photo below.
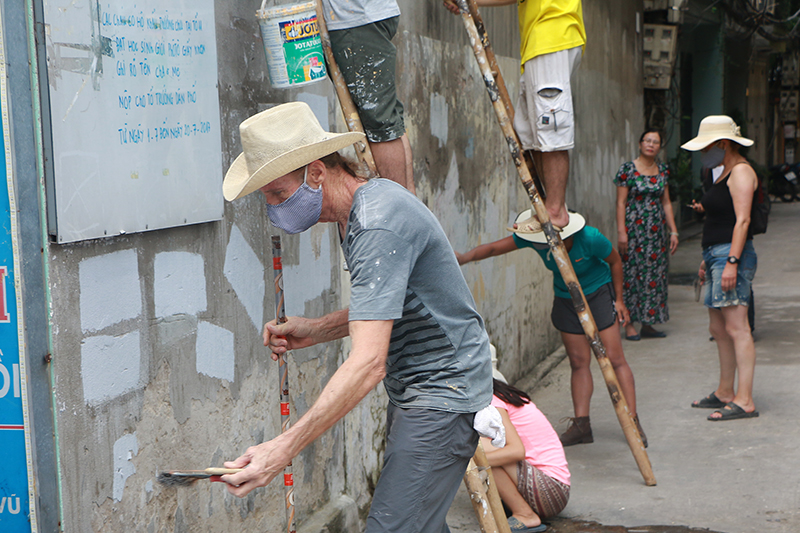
(427, 453)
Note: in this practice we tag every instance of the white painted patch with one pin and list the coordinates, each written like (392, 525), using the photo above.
(448, 206)
(308, 279)
(109, 366)
(214, 349)
(245, 273)
(319, 105)
(110, 290)
(439, 126)
(125, 448)
(180, 284)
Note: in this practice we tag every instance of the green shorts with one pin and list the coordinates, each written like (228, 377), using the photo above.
(367, 59)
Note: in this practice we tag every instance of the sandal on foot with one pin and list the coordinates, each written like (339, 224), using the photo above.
(532, 225)
(733, 412)
(709, 402)
(515, 525)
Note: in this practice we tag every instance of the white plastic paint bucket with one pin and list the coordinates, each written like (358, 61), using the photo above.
(292, 44)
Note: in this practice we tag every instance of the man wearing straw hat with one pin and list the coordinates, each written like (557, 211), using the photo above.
(412, 319)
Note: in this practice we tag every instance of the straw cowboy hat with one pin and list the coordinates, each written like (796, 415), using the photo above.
(278, 141)
(576, 223)
(714, 128)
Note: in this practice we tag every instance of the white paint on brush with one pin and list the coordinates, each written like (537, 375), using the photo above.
(245, 273)
(439, 127)
(109, 366)
(179, 284)
(215, 355)
(110, 290)
(309, 278)
(125, 448)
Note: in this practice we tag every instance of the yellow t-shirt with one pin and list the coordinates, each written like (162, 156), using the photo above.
(547, 26)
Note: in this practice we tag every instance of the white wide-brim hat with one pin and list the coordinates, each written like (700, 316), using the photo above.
(278, 141)
(576, 223)
(714, 128)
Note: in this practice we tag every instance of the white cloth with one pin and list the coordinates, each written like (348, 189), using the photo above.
(488, 423)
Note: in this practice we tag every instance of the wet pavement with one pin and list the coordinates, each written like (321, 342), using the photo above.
(737, 476)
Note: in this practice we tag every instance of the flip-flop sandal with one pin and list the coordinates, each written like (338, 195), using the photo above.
(709, 402)
(532, 225)
(518, 527)
(733, 413)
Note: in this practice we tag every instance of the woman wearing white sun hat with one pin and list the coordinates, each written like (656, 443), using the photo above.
(729, 264)
(598, 267)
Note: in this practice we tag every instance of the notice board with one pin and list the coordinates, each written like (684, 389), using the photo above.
(134, 112)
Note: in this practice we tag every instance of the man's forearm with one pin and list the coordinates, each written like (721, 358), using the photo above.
(331, 327)
(358, 375)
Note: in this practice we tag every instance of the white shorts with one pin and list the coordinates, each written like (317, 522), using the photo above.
(544, 118)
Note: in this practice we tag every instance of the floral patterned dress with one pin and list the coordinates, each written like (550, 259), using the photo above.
(645, 265)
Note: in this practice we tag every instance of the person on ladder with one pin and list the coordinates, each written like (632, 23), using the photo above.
(361, 35)
(552, 37)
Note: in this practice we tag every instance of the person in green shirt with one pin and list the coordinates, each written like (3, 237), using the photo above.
(598, 267)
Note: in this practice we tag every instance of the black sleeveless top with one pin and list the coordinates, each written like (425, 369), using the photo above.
(720, 215)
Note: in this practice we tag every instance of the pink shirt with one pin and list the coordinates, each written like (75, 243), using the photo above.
(542, 447)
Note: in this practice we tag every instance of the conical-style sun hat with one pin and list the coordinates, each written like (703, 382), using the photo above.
(575, 224)
(278, 141)
(712, 129)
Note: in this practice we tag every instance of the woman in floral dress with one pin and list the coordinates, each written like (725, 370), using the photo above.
(643, 209)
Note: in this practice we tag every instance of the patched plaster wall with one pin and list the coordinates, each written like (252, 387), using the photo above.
(158, 360)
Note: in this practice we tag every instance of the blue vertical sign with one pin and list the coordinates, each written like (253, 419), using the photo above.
(15, 484)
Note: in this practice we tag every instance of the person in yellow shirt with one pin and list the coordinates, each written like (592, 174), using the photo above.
(552, 36)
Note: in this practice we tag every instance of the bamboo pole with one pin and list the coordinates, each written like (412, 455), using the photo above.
(478, 495)
(283, 380)
(349, 110)
(559, 252)
(492, 495)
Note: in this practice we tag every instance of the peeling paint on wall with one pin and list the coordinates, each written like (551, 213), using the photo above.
(110, 290)
(310, 277)
(125, 448)
(215, 351)
(179, 284)
(245, 273)
(109, 366)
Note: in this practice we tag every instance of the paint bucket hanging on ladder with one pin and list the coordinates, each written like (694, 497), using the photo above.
(292, 44)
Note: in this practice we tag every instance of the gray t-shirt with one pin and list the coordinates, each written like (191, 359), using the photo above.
(403, 268)
(344, 14)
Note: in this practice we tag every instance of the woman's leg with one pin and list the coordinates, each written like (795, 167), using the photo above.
(613, 345)
(738, 330)
(580, 357)
(630, 329)
(727, 355)
(506, 479)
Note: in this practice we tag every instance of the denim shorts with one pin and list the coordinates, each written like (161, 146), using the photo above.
(716, 257)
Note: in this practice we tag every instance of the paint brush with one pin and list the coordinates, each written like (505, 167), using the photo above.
(187, 477)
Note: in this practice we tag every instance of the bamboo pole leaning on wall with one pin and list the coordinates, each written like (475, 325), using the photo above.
(349, 110)
(500, 102)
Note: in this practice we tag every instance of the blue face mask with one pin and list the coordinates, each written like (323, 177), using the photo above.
(298, 212)
(713, 158)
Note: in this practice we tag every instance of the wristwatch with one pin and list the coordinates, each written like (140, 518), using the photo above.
(733, 260)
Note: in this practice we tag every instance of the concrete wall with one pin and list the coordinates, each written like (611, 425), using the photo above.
(157, 352)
